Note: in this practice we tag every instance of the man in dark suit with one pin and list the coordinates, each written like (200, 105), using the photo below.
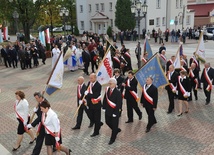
(112, 103)
(170, 62)
(12, 54)
(149, 100)
(119, 78)
(81, 88)
(86, 58)
(93, 98)
(5, 56)
(193, 75)
(172, 76)
(131, 97)
(101, 50)
(94, 56)
(207, 77)
(116, 60)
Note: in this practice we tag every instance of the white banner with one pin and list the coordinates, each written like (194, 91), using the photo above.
(42, 37)
(177, 62)
(1, 38)
(200, 51)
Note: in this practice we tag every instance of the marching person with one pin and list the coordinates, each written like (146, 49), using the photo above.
(193, 75)
(93, 98)
(41, 130)
(94, 55)
(81, 88)
(86, 58)
(112, 103)
(127, 59)
(170, 62)
(183, 90)
(149, 100)
(55, 55)
(207, 77)
(163, 60)
(52, 129)
(130, 88)
(116, 60)
(21, 108)
(172, 76)
(118, 77)
(72, 60)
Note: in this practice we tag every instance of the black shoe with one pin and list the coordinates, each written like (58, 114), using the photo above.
(189, 99)
(111, 142)
(15, 149)
(90, 125)
(31, 142)
(94, 134)
(76, 127)
(118, 130)
(128, 121)
(69, 151)
(101, 124)
(169, 112)
(179, 114)
(196, 98)
(207, 102)
(140, 116)
(147, 130)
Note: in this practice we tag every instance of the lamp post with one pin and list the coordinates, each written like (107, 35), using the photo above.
(16, 16)
(139, 8)
(176, 21)
(64, 13)
(182, 15)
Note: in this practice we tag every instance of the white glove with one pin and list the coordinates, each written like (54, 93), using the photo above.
(57, 139)
(35, 109)
(113, 115)
(25, 123)
(29, 126)
(80, 102)
(86, 92)
(104, 110)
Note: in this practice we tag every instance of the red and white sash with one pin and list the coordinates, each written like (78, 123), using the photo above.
(133, 93)
(146, 96)
(50, 132)
(195, 61)
(127, 54)
(209, 87)
(117, 59)
(192, 75)
(173, 88)
(96, 100)
(144, 60)
(163, 57)
(170, 61)
(20, 117)
(184, 92)
(183, 69)
(39, 128)
(110, 103)
(78, 91)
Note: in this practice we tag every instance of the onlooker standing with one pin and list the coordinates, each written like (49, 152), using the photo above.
(22, 58)
(86, 58)
(5, 56)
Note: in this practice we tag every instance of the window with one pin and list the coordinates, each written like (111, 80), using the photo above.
(102, 7)
(188, 20)
(158, 4)
(90, 25)
(81, 8)
(82, 25)
(110, 6)
(157, 21)
(97, 7)
(181, 3)
(89, 7)
(151, 22)
(163, 21)
(177, 3)
(111, 22)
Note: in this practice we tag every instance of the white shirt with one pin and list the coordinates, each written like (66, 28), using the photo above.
(52, 121)
(22, 108)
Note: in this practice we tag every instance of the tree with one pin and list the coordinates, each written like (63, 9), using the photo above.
(123, 16)
(109, 31)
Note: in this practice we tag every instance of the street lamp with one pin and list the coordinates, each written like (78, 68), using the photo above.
(139, 8)
(182, 15)
(176, 21)
(16, 16)
(64, 13)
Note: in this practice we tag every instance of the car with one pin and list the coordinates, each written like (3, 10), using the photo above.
(209, 33)
(67, 27)
(57, 29)
(32, 37)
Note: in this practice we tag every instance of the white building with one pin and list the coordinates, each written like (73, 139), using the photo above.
(97, 15)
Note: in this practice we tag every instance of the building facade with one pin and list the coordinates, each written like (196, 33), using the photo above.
(97, 15)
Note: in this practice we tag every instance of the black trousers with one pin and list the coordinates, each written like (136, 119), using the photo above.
(80, 115)
(6, 61)
(171, 100)
(39, 141)
(112, 122)
(207, 93)
(132, 104)
(192, 86)
(92, 66)
(151, 117)
(23, 64)
(86, 64)
(95, 115)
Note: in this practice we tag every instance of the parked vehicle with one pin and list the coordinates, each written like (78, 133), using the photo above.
(208, 34)
(57, 29)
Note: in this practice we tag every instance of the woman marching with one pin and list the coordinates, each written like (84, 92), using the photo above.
(183, 88)
(21, 109)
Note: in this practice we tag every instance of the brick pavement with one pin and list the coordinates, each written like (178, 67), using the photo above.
(190, 134)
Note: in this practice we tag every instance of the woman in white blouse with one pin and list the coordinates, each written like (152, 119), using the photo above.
(22, 115)
(52, 127)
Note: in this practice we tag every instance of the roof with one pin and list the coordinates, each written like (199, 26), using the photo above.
(99, 16)
(202, 10)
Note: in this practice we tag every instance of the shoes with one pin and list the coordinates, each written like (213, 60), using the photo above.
(169, 112)
(189, 99)
(69, 151)
(101, 124)
(186, 111)
(179, 114)
(111, 142)
(207, 102)
(94, 134)
(76, 127)
(31, 142)
(140, 116)
(90, 125)
(15, 149)
(196, 98)
(128, 121)
(118, 130)
(147, 130)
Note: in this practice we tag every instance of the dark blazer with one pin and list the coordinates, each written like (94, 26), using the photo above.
(82, 91)
(196, 73)
(168, 63)
(116, 98)
(133, 87)
(185, 83)
(116, 64)
(86, 57)
(191, 61)
(119, 82)
(152, 91)
(174, 79)
(210, 74)
(3, 53)
(96, 89)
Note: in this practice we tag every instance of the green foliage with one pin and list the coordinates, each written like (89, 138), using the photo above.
(76, 31)
(123, 16)
(109, 31)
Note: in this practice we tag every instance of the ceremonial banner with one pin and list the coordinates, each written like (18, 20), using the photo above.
(177, 62)
(67, 55)
(181, 50)
(152, 69)
(1, 38)
(147, 48)
(5, 33)
(200, 51)
(105, 71)
(56, 79)
(42, 37)
(47, 36)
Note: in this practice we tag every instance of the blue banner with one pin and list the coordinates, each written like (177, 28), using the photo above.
(147, 48)
(80, 60)
(152, 69)
(74, 61)
(50, 90)
(66, 62)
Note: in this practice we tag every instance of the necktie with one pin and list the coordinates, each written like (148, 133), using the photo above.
(110, 92)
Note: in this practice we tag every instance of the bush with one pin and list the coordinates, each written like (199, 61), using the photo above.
(109, 31)
(76, 31)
